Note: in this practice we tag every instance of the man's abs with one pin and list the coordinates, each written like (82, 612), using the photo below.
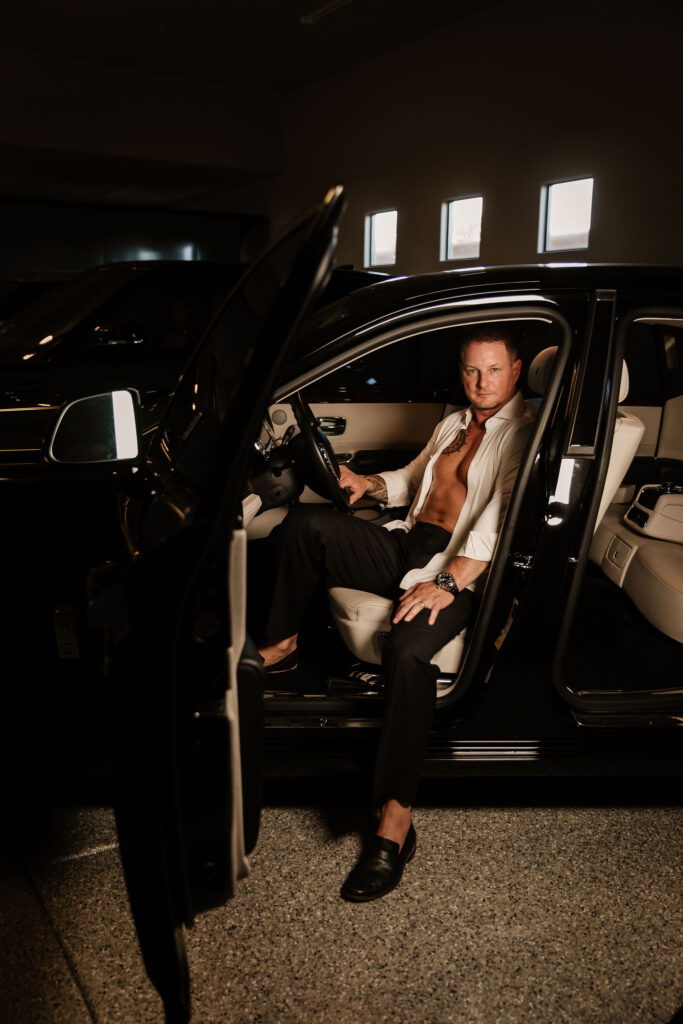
(448, 490)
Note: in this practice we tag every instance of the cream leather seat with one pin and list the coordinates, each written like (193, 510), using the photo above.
(628, 433)
(654, 582)
(628, 429)
(650, 571)
(362, 618)
(647, 568)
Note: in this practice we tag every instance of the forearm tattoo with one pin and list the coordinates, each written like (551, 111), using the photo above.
(459, 443)
(377, 488)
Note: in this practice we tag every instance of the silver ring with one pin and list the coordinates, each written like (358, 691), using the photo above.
(423, 604)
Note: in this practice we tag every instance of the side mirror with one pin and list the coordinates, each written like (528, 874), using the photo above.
(101, 428)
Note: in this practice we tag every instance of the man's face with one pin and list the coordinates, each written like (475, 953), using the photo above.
(488, 374)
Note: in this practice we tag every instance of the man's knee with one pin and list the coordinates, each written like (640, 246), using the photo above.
(306, 519)
(406, 643)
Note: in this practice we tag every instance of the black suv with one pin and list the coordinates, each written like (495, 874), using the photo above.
(130, 555)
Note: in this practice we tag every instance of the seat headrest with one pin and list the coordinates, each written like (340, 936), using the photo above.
(539, 372)
(542, 365)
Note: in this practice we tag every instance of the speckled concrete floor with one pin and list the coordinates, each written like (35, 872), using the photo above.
(509, 913)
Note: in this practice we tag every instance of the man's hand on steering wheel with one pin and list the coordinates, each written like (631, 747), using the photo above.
(356, 484)
(422, 595)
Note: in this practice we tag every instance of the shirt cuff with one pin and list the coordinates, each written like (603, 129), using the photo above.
(479, 546)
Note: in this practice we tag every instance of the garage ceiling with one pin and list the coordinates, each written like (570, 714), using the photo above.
(175, 103)
(264, 45)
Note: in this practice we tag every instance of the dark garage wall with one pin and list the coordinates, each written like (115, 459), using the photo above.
(58, 103)
(44, 237)
(499, 104)
(97, 162)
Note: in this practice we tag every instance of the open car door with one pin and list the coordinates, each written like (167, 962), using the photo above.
(186, 681)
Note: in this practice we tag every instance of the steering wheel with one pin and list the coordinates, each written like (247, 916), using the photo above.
(319, 451)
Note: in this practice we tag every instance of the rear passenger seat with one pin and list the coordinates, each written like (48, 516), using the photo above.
(649, 570)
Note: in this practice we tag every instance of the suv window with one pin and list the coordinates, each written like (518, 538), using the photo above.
(654, 356)
(160, 314)
(423, 368)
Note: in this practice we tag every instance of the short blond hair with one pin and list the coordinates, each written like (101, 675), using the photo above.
(489, 332)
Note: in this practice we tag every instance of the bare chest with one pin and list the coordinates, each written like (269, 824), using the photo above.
(455, 460)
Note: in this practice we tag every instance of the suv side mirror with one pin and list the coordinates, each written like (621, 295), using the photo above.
(100, 428)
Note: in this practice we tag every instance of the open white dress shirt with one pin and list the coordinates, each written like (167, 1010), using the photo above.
(490, 479)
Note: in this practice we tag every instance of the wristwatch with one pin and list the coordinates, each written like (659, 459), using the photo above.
(445, 581)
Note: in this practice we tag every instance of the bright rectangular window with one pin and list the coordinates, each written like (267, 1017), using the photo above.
(461, 228)
(565, 215)
(380, 238)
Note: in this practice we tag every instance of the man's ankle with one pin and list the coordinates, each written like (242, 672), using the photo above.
(394, 821)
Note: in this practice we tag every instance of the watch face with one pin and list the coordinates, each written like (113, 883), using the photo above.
(445, 581)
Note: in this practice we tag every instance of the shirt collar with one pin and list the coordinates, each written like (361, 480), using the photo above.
(510, 411)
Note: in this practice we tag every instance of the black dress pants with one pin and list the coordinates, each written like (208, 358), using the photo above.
(322, 543)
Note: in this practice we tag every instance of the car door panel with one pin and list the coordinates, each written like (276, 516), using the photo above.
(183, 814)
(248, 685)
(400, 427)
(380, 435)
(374, 460)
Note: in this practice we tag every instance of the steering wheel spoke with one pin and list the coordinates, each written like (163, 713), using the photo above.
(320, 453)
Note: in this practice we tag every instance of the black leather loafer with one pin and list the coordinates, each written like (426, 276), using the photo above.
(379, 869)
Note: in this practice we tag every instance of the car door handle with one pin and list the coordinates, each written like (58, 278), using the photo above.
(332, 425)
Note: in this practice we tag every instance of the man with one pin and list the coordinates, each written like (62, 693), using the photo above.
(460, 485)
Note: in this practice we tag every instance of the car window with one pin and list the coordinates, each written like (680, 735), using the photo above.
(420, 365)
(17, 295)
(643, 354)
(161, 314)
(210, 384)
(423, 368)
(653, 352)
(57, 311)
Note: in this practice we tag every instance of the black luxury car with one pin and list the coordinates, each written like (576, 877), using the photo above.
(138, 616)
(120, 325)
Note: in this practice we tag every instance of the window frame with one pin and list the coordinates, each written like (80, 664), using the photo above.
(545, 208)
(445, 225)
(368, 238)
